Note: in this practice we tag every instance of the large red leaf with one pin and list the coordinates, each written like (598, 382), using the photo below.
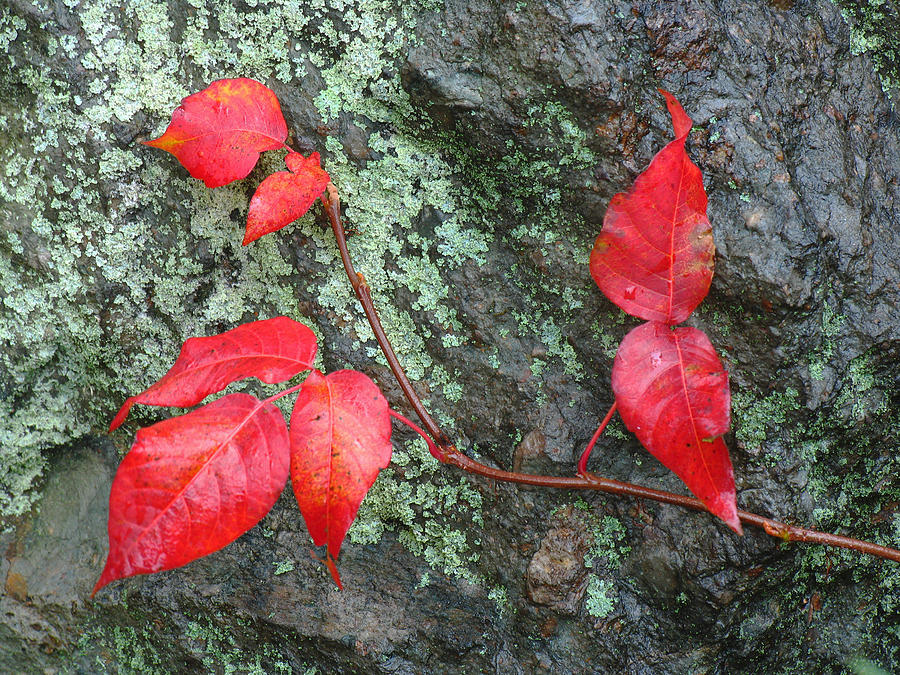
(654, 257)
(285, 196)
(340, 440)
(218, 133)
(273, 350)
(672, 393)
(193, 484)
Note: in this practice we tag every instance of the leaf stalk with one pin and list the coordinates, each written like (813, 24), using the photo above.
(448, 453)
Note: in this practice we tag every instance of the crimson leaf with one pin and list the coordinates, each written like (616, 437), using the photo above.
(654, 257)
(672, 393)
(273, 350)
(193, 484)
(340, 440)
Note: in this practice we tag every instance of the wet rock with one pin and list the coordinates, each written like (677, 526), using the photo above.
(532, 447)
(476, 147)
(557, 576)
(657, 566)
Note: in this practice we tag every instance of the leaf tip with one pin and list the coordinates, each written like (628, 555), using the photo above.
(106, 577)
(735, 524)
(164, 142)
(122, 414)
(254, 230)
(332, 567)
(726, 510)
(681, 123)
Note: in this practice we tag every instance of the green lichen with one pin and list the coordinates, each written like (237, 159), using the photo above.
(848, 452)
(134, 652)
(756, 416)
(219, 651)
(125, 648)
(605, 555)
(597, 597)
(283, 567)
(98, 255)
(861, 666)
(873, 31)
(862, 391)
(381, 198)
(831, 324)
(219, 646)
(608, 341)
(530, 187)
(500, 596)
(432, 512)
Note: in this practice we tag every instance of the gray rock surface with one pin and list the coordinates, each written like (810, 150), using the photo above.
(476, 145)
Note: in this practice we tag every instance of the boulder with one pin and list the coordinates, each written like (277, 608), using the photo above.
(476, 145)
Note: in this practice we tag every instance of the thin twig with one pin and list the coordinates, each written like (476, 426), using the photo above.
(452, 455)
(582, 462)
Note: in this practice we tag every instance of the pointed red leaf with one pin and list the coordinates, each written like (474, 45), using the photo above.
(193, 484)
(285, 196)
(654, 257)
(272, 350)
(218, 133)
(340, 440)
(672, 392)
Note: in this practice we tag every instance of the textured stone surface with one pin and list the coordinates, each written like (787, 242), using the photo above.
(557, 576)
(476, 145)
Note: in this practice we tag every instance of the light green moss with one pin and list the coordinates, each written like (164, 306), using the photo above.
(597, 597)
(873, 31)
(283, 567)
(861, 666)
(76, 354)
(380, 198)
(219, 651)
(756, 416)
(125, 648)
(861, 391)
(500, 597)
(531, 185)
(432, 511)
(606, 553)
(848, 451)
(831, 324)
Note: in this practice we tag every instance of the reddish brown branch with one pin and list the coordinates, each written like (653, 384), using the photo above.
(582, 462)
(452, 455)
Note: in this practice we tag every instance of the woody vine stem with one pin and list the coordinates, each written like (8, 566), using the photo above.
(442, 448)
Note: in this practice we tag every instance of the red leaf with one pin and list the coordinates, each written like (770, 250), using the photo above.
(672, 393)
(285, 196)
(273, 350)
(654, 257)
(193, 484)
(340, 440)
(218, 133)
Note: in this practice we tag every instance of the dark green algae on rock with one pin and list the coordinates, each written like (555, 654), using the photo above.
(476, 145)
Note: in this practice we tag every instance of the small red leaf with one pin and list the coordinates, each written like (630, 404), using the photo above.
(285, 196)
(273, 350)
(218, 133)
(672, 392)
(193, 484)
(654, 257)
(340, 440)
